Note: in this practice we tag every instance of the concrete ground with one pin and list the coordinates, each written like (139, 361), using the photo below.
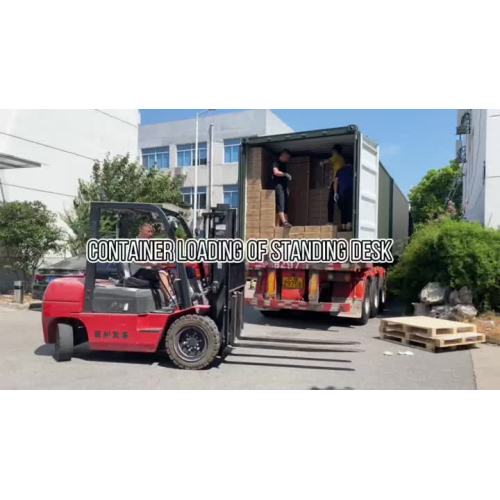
(26, 363)
(486, 361)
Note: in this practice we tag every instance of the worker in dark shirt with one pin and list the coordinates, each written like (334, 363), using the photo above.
(280, 183)
(342, 188)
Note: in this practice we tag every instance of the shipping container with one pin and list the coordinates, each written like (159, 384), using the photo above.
(379, 210)
(393, 215)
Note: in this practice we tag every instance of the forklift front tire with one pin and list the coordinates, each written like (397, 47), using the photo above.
(193, 342)
(63, 348)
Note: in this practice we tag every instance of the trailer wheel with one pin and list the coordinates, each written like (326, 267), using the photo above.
(374, 298)
(381, 300)
(192, 342)
(365, 307)
(63, 349)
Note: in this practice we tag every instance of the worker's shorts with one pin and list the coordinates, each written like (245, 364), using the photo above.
(281, 198)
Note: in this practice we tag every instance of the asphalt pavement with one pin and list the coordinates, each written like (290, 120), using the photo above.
(360, 363)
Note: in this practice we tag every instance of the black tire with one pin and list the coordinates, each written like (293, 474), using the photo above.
(63, 348)
(374, 298)
(382, 296)
(193, 342)
(365, 307)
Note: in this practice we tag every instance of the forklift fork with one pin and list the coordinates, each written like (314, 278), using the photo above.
(226, 297)
(235, 339)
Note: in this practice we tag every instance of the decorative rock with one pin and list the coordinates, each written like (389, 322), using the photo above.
(465, 296)
(441, 312)
(463, 312)
(420, 309)
(454, 298)
(433, 293)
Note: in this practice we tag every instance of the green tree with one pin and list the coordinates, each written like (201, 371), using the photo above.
(118, 179)
(429, 198)
(455, 253)
(28, 231)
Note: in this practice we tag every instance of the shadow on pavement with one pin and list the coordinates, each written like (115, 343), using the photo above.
(296, 320)
(312, 320)
(331, 388)
(280, 365)
(84, 353)
(291, 358)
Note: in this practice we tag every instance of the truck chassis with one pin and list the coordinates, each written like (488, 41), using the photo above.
(344, 290)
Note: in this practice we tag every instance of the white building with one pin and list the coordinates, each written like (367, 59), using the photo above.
(170, 145)
(479, 152)
(43, 153)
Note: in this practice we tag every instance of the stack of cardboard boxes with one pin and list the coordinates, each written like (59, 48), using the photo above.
(307, 207)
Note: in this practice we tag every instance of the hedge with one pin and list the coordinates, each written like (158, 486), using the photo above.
(455, 253)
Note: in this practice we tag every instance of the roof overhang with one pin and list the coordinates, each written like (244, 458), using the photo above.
(9, 161)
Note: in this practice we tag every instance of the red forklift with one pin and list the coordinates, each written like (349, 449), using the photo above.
(199, 321)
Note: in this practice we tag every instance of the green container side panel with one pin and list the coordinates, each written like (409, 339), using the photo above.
(384, 201)
(400, 220)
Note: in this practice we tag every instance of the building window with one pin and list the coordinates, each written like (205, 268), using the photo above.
(231, 150)
(188, 196)
(185, 154)
(156, 157)
(232, 196)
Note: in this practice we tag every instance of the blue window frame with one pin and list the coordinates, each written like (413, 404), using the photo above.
(185, 154)
(156, 157)
(188, 196)
(231, 150)
(232, 195)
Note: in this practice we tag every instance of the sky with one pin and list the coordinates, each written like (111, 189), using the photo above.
(411, 141)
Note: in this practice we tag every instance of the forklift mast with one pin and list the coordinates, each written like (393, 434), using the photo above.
(227, 280)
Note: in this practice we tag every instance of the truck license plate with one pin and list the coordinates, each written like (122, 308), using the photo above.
(293, 282)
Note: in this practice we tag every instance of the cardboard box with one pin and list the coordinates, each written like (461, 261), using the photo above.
(279, 232)
(254, 185)
(298, 201)
(253, 226)
(268, 214)
(252, 235)
(328, 232)
(346, 235)
(295, 231)
(267, 234)
(254, 195)
(318, 206)
(268, 196)
(317, 174)
(312, 232)
(259, 170)
(254, 164)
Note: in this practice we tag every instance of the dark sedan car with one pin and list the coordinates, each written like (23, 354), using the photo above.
(73, 266)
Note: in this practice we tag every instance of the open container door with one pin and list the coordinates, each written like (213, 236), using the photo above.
(366, 196)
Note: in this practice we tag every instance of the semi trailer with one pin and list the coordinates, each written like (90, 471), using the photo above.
(380, 210)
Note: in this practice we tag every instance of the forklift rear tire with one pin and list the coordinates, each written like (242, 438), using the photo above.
(193, 342)
(63, 349)
(365, 306)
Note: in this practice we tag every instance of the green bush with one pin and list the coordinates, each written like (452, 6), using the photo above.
(455, 253)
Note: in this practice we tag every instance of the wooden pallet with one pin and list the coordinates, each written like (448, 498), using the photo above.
(445, 341)
(425, 326)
